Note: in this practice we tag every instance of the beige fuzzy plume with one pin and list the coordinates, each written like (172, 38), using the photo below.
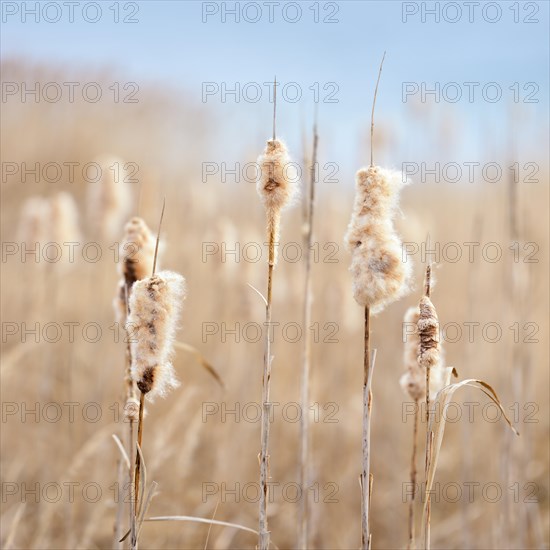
(137, 252)
(275, 188)
(155, 304)
(110, 198)
(34, 223)
(380, 276)
(64, 219)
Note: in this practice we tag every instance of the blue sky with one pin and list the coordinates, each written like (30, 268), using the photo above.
(171, 46)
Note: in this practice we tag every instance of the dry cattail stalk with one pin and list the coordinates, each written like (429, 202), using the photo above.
(413, 382)
(155, 304)
(64, 219)
(428, 357)
(34, 223)
(137, 252)
(276, 191)
(306, 362)
(379, 278)
(109, 198)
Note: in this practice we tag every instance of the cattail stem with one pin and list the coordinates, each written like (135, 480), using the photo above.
(266, 386)
(274, 108)
(429, 444)
(429, 433)
(372, 113)
(138, 461)
(411, 544)
(367, 407)
(131, 481)
(306, 363)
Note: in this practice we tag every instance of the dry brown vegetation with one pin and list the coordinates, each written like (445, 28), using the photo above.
(183, 449)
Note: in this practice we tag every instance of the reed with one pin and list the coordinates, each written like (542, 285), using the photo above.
(306, 358)
(428, 358)
(379, 277)
(276, 191)
(137, 255)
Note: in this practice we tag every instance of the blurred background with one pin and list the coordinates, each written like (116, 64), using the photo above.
(173, 100)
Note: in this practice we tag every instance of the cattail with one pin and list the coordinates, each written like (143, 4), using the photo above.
(276, 190)
(109, 199)
(34, 223)
(379, 274)
(429, 356)
(428, 332)
(275, 186)
(137, 252)
(413, 381)
(64, 219)
(155, 304)
(379, 278)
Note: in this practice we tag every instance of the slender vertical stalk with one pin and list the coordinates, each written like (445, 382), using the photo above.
(367, 409)
(429, 433)
(274, 108)
(117, 532)
(266, 404)
(411, 544)
(306, 362)
(367, 393)
(137, 469)
(131, 485)
(264, 534)
(372, 113)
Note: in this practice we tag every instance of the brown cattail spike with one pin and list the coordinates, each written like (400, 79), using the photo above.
(428, 329)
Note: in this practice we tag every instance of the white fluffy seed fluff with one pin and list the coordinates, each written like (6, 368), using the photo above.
(380, 274)
(155, 304)
(136, 253)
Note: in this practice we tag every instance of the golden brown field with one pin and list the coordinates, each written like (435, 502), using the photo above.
(63, 400)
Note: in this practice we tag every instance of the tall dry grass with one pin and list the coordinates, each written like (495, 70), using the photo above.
(184, 449)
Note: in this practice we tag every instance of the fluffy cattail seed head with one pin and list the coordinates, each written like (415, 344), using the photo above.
(155, 304)
(428, 330)
(64, 219)
(109, 199)
(34, 223)
(380, 276)
(137, 251)
(277, 185)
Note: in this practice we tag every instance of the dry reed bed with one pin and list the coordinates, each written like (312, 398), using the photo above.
(86, 372)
